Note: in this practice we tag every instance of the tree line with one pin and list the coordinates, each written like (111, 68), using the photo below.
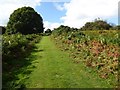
(26, 20)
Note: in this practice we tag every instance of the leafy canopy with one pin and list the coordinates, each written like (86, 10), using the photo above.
(25, 20)
(96, 25)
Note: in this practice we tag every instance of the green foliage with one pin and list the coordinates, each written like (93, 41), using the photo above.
(96, 25)
(26, 21)
(15, 44)
(15, 48)
(48, 31)
(99, 50)
(63, 30)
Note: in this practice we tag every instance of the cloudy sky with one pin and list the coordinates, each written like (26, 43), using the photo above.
(74, 13)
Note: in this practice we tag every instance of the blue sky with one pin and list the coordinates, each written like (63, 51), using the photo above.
(73, 13)
(49, 12)
(76, 14)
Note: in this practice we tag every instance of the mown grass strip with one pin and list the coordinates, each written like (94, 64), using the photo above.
(55, 69)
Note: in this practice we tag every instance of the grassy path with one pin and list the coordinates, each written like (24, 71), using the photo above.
(54, 69)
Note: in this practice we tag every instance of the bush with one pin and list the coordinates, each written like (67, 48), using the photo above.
(96, 25)
(16, 44)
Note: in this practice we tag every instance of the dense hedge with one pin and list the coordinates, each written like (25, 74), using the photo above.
(15, 48)
(15, 44)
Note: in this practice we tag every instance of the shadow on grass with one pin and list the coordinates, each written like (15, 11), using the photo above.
(16, 71)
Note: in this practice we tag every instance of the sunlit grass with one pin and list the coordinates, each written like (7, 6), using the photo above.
(55, 69)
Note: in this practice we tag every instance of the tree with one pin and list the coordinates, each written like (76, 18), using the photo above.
(102, 25)
(96, 25)
(48, 31)
(64, 29)
(26, 21)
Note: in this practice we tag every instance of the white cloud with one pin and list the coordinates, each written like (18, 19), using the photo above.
(8, 6)
(58, 6)
(55, 0)
(78, 12)
(81, 11)
(51, 25)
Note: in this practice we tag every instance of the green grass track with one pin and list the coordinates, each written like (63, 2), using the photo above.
(55, 69)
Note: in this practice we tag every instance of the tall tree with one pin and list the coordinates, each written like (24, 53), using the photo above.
(26, 21)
